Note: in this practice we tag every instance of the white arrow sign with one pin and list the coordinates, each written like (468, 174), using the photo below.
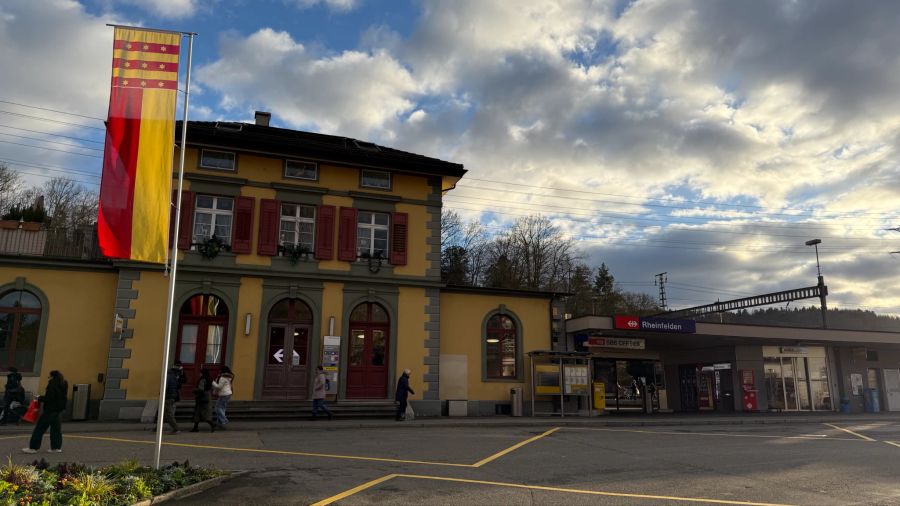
(279, 355)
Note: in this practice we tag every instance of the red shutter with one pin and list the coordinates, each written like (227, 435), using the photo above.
(268, 227)
(243, 225)
(185, 228)
(347, 235)
(399, 238)
(324, 232)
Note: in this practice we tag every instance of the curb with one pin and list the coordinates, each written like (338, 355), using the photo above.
(189, 490)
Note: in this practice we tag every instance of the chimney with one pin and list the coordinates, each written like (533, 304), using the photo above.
(263, 118)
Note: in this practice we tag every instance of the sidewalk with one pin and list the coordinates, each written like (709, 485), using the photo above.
(617, 420)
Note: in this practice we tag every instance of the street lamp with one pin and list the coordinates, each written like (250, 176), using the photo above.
(823, 290)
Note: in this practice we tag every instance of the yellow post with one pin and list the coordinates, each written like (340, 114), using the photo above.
(600, 396)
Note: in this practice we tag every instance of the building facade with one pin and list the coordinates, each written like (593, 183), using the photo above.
(295, 250)
(699, 367)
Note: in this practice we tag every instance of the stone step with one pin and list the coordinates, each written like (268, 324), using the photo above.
(261, 410)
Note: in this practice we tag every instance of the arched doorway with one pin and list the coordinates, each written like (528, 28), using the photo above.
(202, 324)
(287, 351)
(367, 362)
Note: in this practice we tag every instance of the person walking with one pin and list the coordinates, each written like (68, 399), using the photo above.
(174, 381)
(223, 387)
(320, 389)
(402, 395)
(54, 403)
(13, 396)
(202, 404)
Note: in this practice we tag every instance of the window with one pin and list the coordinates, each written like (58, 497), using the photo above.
(298, 224)
(295, 169)
(372, 234)
(501, 348)
(20, 321)
(376, 179)
(219, 160)
(212, 217)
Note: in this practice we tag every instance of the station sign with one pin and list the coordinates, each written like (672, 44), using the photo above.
(652, 324)
(626, 343)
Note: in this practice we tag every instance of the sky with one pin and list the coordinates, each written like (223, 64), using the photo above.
(705, 139)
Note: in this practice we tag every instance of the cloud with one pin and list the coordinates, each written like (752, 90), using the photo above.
(333, 5)
(167, 9)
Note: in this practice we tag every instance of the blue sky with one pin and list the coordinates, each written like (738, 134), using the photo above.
(709, 143)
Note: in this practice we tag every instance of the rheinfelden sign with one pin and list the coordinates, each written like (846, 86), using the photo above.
(651, 324)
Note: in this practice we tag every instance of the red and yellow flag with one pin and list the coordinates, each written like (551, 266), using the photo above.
(135, 189)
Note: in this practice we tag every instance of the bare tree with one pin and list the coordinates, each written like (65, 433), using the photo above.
(462, 249)
(10, 186)
(533, 254)
(68, 204)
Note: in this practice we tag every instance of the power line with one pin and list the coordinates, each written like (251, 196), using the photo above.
(462, 185)
(46, 166)
(53, 134)
(89, 183)
(51, 110)
(50, 120)
(52, 149)
(51, 142)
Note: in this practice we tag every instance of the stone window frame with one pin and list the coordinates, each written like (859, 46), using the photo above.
(520, 329)
(21, 284)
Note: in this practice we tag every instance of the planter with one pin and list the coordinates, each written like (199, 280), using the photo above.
(189, 490)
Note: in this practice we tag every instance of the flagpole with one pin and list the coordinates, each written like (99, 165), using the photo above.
(174, 261)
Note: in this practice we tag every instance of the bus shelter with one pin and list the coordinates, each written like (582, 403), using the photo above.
(563, 378)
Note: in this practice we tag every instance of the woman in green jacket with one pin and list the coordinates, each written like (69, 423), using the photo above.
(53, 404)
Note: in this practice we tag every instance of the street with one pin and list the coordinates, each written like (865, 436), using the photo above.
(798, 463)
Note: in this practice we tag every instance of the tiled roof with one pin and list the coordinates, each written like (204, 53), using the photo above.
(308, 145)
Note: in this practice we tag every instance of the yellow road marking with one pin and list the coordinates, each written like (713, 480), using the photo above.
(354, 490)
(275, 452)
(848, 431)
(722, 434)
(513, 448)
(364, 486)
(893, 443)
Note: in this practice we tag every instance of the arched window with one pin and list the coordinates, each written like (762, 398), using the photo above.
(20, 322)
(501, 348)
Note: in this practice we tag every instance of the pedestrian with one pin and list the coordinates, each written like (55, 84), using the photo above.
(13, 397)
(202, 404)
(53, 404)
(402, 394)
(320, 388)
(175, 379)
(223, 387)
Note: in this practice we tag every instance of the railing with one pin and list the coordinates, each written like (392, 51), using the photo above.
(80, 242)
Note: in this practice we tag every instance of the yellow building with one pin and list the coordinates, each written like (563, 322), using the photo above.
(295, 249)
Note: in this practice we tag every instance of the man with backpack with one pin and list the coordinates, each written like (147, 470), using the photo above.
(320, 388)
(174, 381)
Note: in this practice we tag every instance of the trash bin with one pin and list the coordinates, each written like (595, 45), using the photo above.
(81, 395)
(872, 404)
(515, 400)
(845, 405)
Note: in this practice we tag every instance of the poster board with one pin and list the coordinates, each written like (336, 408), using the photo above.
(576, 379)
(547, 379)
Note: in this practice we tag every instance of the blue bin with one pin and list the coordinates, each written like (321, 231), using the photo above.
(872, 404)
(845, 405)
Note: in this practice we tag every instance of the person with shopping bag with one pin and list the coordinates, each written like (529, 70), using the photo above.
(53, 403)
(402, 394)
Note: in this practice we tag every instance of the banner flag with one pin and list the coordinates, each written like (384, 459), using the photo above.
(135, 188)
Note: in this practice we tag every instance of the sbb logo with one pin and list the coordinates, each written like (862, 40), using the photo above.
(632, 324)
(627, 322)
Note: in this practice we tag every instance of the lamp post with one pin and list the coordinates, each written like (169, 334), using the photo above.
(823, 290)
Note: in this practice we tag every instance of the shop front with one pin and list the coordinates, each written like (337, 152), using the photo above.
(796, 378)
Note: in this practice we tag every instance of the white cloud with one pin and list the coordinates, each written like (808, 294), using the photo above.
(168, 9)
(334, 5)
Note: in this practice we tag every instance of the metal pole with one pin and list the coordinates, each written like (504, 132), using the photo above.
(174, 260)
(822, 290)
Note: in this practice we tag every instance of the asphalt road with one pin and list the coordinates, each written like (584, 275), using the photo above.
(798, 463)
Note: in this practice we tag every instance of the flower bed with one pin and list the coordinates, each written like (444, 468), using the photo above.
(76, 484)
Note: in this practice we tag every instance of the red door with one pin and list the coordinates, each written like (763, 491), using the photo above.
(367, 362)
(202, 325)
(287, 358)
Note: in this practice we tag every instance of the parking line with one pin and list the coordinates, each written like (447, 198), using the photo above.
(513, 448)
(348, 493)
(848, 431)
(721, 434)
(354, 490)
(893, 443)
(275, 452)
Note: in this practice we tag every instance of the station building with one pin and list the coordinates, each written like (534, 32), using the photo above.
(708, 367)
(295, 249)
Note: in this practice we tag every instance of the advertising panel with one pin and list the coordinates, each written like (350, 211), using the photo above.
(547, 376)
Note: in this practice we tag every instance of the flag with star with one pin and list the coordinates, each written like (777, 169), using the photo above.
(135, 189)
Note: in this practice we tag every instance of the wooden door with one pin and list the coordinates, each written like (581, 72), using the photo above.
(202, 338)
(368, 358)
(287, 362)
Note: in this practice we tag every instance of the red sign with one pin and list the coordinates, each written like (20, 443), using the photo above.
(750, 402)
(627, 322)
